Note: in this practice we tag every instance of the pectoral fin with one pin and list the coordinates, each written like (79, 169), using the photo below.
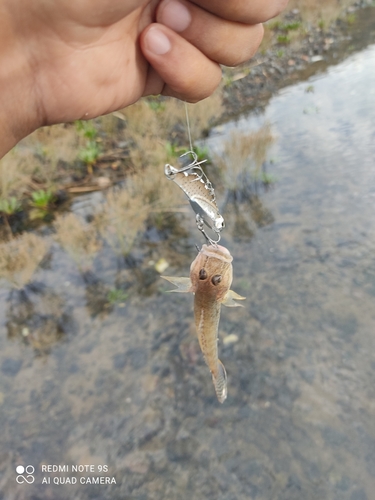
(230, 297)
(183, 284)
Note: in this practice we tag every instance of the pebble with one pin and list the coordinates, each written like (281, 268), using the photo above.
(161, 265)
(230, 339)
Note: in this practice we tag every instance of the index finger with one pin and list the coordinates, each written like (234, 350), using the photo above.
(244, 11)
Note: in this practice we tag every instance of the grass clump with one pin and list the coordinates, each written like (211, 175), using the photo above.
(89, 153)
(243, 157)
(41, 204)
(42, 199)
(10, 206)
(313, 11)
(116, 295)
(123, 216)
(145, 194)
(79, 240)
(20, 257)
(283, 39)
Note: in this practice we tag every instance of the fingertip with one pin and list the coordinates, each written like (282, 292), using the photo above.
(188, 74)
(155, 41)
(258, 34)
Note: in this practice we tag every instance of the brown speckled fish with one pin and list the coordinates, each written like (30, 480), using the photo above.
(210, 281)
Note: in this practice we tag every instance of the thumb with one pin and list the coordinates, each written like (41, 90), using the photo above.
(179, 69)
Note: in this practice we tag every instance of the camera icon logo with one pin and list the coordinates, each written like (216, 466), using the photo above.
(25, 474)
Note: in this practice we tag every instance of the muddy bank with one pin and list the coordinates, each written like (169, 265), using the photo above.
(282, 65)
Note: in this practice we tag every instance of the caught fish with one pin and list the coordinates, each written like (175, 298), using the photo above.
(210, 281)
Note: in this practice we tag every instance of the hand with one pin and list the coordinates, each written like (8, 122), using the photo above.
(65, 60)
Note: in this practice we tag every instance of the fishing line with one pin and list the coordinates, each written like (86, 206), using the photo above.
(199, 190)
(188, 126)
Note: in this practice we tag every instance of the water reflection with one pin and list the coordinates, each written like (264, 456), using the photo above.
(242, 218)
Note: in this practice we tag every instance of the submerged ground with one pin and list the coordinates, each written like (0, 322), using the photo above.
(86, 380)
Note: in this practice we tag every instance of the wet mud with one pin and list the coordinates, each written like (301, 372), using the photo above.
(285, 64)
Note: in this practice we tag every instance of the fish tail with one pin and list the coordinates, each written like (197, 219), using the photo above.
(220, 382)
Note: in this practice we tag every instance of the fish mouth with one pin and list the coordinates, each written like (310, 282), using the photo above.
(217, 252)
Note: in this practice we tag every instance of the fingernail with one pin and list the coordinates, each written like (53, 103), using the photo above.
(157, 42)
(176, 16)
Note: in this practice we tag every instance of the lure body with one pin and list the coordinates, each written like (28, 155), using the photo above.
(210, 281)
(200, 193)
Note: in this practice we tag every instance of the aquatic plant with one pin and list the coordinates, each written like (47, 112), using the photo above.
(173, 152)
(116, 295)
(292, 26)
(20, 257)
(351, 18)
(41, 204)
(266, 178)
(90, 151)
(156, 103)
(243, 157)
(10, 206)
(78, 239)
(15, 175)
(32, 166)
(124, 214)
(283, 39)
(86, 128)
(42, 199)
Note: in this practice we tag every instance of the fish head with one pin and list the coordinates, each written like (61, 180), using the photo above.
(211, 272)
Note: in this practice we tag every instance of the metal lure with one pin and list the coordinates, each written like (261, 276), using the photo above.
(200, 192)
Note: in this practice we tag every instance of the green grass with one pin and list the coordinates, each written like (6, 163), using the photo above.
(267, 179)
(42, 199)
(155, 103)
(291, 26)
(9, 206)
(283, 39)
(116, 295)
(87, 129)
(41, 203)
(274, 25)
(201, 152)
(351, 18)
(172, 151)
(90, 153)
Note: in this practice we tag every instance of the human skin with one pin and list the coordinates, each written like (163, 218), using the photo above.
(65, 60)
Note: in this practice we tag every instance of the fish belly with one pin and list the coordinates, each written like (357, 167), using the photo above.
(207, 316)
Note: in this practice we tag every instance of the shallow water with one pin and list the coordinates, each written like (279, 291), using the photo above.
(127, 387)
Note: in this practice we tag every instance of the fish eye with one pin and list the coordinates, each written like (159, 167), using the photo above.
(202, 274)
(215, 280)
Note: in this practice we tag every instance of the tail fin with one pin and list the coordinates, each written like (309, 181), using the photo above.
(220, 382)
